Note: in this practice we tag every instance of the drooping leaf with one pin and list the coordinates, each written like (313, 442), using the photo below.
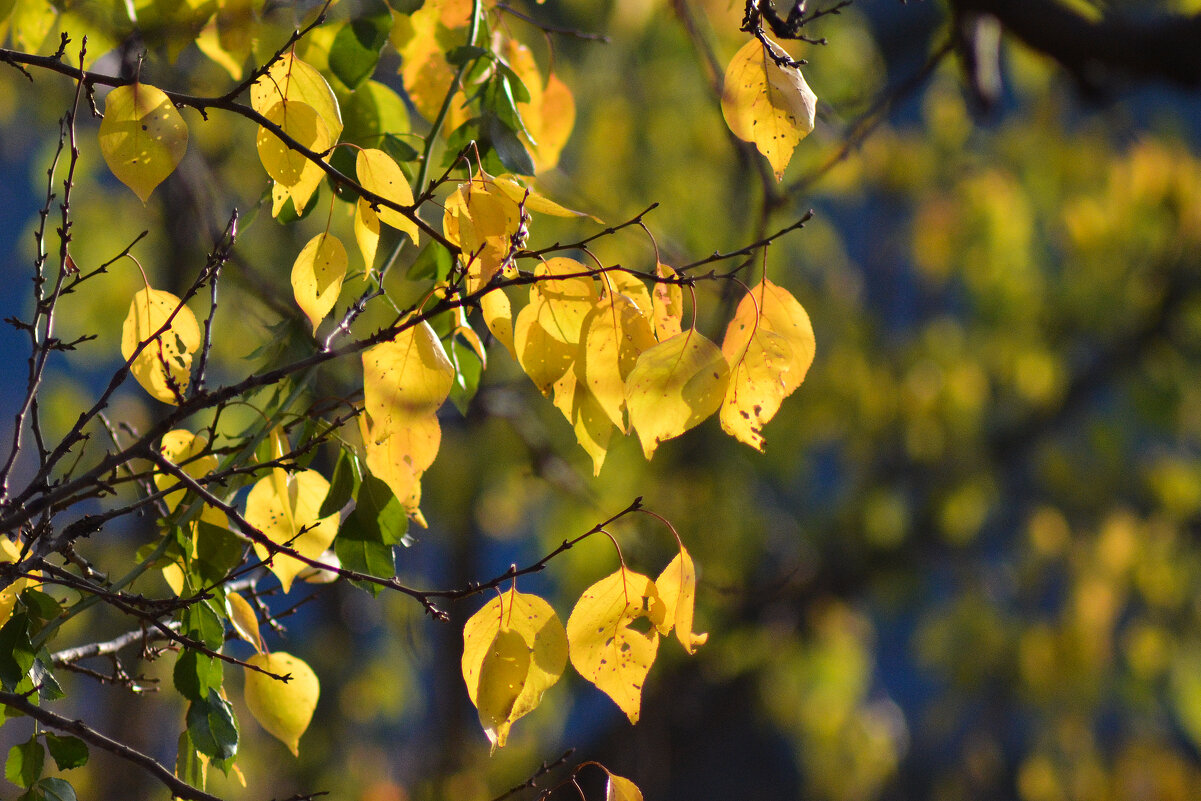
(378, 173)
(10, 551)
(68, 752)
(615, 334)
(674, 386)
(667, 304)
(317, 276)
(183, 448)
(544, 358)
(768, 104)
(295, 175)
(244, 619)
(164, 366)
(213, 727)
(531, 200)
(366, 231)
(769, 345)
(677, 590)
(284, 709)
(514, 649)
(603, 644)
(498, 316)
(50, 788)
(284, 507)
(142, 137)
(195, 674)
(400, 450)
(406, 378)
(25, 761)
(482, 220)
(593, 428)
(291, 80)
(620, 788)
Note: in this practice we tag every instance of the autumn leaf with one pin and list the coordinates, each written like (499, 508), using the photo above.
(10, 552)
(620, 788)
(552, 125)
(544, 358)
(244, 620)
(295, 175)
(142, 136)
(514, 649)
(593, 429)
(677, 590)
(563, 303)
(674, 386)
(291, 80)
(399, 450)
(164, 366)
(317, 276)
(498, 316)
(284, 507)
(380, 174)
(366, 231)
(667, 304)
(284, 709)
(183, 448)
(615, 334)
(605, 647)
(407, 377)
(482, 220)
(769, 344)
(766, 103)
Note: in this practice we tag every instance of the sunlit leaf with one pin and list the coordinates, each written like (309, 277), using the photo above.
(10, 552)
(317, 276)
(544, 358)
(164, 366)
(674, 386)
(498, 316)
(407, 377)
(284, 507)
(284, 709)
(294, 81)
(482, 221)
(620, 788)
(142, 137)
(514, 649)
(615, 334)
(366, 231)
(677, 590)
(244, 620)
(667, 304)
(563, 303)
(183, 448)
(768, 104)
(378, 173)
(289, 168)
(593, 429)
(399, 450)
(603, 644)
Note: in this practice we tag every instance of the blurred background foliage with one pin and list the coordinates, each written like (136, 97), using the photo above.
(968, 565)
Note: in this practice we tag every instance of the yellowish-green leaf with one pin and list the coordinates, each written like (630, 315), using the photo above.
(593, 429)
(244, 619)
(615, 334)
(498, 316)
(284, 709)
(399, 451)
(10, 552)
(603, 644)
(768, 104)
(366, 231)
(183, 448)
(667, 304)
(677, 589)
(173, 572)
(378, 173)
(291, 80)
(769, 345)
(284, 507)
(674, 386)
(317, 276)
(620, 788)
(514, 649)
(511, 187)
(142, 137)
(407, 377)
(288, 167)
(164, 366)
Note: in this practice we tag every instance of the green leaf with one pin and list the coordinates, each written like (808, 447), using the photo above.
(508, 147)
(42, 607)
(463, 54)
(379, 512)
(50, 789)
(356, 47)
(370, 113)
(399, 149)
(344, 485)
(201, 622)
(68, 752)
(16, 652)
(48, 686)
(196, 674)
(218, 550)
(468, 370)
(363, 556)
(432, 263)
(189, 763)
(25, 762)
(213, 727)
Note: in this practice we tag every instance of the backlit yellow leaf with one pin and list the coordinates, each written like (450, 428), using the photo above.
(482, 221)
(563, 303)
(667, 304)
(620, 788)
(767, 104)
(544, 358)
(366, 231)
(378, 173)
(553, 124)
(518, 192)
(142, 137)
(677, 589)
(514, 649)
(292, 80)
(498, 316)
(674, 386)
(769, 345)
(288, 167)
(10, 552)
(603, 645)
(407, 377)
(183, 448)
(284, 507)
(317, 276)
(400, 450)
(164, 366)
(284, 709)
(244, 619)
(615, 333)
(593, 429)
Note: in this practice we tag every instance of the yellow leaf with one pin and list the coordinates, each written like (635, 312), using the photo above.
(407, 377)
(284, 709)
(399, 451)
(317, 277)
(142, 137)
(674, 386)
(767, 104)
(291, 80)
(604, 647)
(677, 589)
(289, 168)
(482, 221)
(378, 173)
(667, 304)
(632, 287)
(183, 448)
(366, 231)
(544, 358)
(244, 619)
(518, 192)
(769, 345)
(498, 316)
(284, 507)
(563, 303)
(32, 21)
(10, 552)
(553, 124)
(164, 366)
(592, 426)
(620, 788)
(615, 334)
(514, 650)
(423, 39)
(173, 572)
